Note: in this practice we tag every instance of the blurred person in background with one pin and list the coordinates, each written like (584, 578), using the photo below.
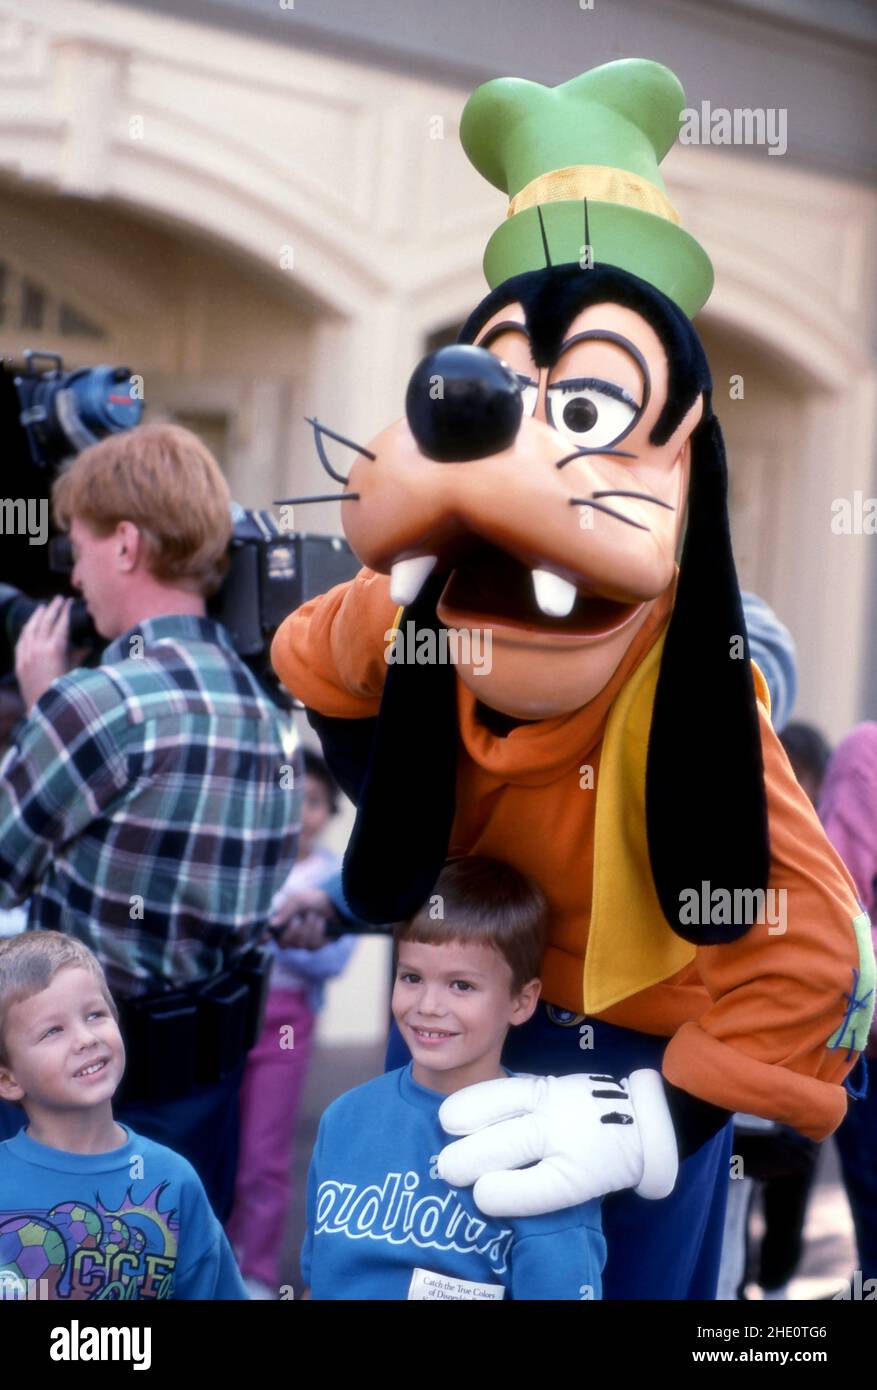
(277, 1066)
(809, 752)
(848, 809)
(780, 1159)
(772, 648)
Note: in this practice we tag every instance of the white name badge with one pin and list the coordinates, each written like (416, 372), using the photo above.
(426, 1284)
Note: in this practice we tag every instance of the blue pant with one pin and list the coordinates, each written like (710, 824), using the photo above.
(857, 1144)
(666, 1249)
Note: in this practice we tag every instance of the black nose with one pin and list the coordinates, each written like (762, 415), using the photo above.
(463, 403)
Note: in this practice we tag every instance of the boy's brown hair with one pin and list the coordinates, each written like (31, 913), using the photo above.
(30, 962)
(165, 481)
(488, 902)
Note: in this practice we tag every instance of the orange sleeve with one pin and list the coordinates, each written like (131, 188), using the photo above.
(778, 996)
(330, 652)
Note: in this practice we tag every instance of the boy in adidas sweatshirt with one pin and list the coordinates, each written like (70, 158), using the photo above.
(88, 1208)
(381, 1223)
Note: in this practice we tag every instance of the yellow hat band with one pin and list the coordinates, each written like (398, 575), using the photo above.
(595, 181)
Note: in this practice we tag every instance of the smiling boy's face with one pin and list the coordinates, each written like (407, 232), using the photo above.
(453, 1003)
(64, 1047)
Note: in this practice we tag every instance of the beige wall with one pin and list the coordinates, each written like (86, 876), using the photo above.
(211, 334)
(793, 312)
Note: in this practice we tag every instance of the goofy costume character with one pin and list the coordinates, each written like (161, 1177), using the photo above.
(707, 950)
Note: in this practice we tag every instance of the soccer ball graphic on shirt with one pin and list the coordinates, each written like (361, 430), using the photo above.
(80, 1224)
(30, 1249)
(117, 1236)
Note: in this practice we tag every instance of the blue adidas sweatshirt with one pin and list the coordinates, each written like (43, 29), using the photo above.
(383, 1225)
(131, 1223)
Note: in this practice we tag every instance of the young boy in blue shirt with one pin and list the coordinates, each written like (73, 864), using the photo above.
(381, 1223)
(88, 1208)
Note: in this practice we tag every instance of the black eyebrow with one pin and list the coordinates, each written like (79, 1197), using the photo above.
(606, 335)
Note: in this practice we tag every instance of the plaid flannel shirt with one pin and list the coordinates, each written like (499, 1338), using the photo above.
(144, 806)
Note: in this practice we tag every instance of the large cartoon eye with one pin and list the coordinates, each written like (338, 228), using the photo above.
(590, 412)
(529, 392)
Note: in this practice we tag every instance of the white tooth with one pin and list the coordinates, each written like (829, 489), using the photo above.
(555, 596)
(409, 576)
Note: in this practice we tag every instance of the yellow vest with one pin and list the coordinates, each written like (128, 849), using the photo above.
(630, 943)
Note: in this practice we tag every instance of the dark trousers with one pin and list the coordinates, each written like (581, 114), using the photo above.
(655, 1250)
(784, 1202)
(202, 1126)
(857, 1145)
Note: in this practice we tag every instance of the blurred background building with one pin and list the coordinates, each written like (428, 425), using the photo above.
(262, 207)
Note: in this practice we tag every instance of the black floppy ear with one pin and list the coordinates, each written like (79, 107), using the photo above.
(407, 798)
(706, 805)
(346, 745)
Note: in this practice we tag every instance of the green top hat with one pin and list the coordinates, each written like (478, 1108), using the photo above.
(600, 137)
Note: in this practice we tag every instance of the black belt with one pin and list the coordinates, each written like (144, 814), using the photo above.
(193, 1036)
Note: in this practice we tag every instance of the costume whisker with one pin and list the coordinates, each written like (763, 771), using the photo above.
(341, 438)
(321, 497)
(601, 507)
(333, 434)
(643, 497)
(585, 453)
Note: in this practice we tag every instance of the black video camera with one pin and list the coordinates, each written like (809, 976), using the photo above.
(48, 415)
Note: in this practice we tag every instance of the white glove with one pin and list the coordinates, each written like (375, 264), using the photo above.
(586, 1135)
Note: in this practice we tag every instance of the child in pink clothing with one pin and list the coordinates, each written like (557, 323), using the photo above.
(277, 1066)
(848, 810)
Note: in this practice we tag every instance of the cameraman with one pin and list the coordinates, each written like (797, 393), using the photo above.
(142, 807)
